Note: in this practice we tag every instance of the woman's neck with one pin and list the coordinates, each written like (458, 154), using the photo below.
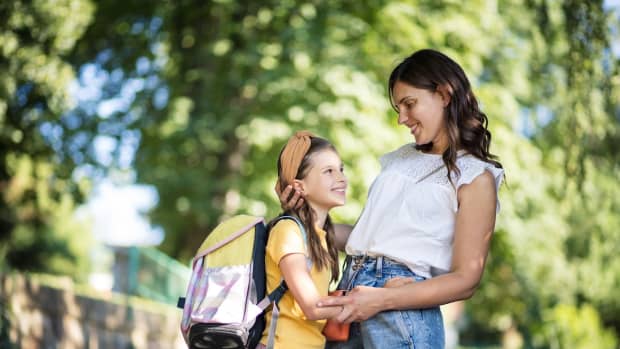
(438, 148)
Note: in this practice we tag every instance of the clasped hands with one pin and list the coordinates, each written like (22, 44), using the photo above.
(362, 302)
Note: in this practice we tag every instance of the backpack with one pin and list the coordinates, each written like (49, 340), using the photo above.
(226, 295)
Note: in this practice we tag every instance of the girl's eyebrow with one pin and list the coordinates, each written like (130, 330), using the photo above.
(328, 166)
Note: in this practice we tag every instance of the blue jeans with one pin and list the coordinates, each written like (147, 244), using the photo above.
(419, 329)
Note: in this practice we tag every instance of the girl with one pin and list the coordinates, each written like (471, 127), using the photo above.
(429, 216)
(311, 166)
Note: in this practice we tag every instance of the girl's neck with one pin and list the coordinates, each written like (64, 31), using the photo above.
(321, 216)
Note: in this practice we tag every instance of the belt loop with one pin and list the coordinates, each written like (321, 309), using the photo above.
(355, 268)
(379, 268)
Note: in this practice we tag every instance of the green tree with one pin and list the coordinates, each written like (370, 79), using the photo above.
(227, 95)
(226, 99)
(571, 327)
(37, 231)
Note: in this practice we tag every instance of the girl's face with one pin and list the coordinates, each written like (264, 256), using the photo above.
(325, 184)
(422, 111)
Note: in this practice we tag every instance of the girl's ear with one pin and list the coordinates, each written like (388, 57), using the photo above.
(445, 93)
(298, 186)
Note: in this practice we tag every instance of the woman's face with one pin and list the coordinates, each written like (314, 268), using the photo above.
(422, 112)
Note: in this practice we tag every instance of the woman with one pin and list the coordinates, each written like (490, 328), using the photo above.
(429, 216)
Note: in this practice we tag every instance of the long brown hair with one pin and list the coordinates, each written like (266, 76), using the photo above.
(320, 257)
(466, 124)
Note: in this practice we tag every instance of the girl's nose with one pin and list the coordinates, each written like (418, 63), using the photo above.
(342, 178)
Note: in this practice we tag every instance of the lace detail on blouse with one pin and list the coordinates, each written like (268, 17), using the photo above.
(416, 165)
(430, 168)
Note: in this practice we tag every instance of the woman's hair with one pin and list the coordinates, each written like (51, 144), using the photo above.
(466, 124)
(319, 256)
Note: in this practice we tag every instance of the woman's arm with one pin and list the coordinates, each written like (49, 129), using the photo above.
(295, 272)
(342, 232)
(475, 222)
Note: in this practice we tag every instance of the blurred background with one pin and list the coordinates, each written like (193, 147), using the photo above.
(129, 129)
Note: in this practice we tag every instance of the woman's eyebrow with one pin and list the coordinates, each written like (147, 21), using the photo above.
(404, 99)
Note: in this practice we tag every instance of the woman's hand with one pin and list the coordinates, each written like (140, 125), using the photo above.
(288, 202)
(359, 304)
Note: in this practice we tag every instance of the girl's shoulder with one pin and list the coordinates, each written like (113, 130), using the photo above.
(286, 226)
(285, 236)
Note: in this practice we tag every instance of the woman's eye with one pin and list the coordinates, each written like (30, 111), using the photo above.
(410, 103)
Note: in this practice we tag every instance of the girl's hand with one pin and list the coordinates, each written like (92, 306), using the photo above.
(288, 202)
(398, 281)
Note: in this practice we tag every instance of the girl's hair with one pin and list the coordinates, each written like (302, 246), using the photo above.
(466, 124)
(306, 214)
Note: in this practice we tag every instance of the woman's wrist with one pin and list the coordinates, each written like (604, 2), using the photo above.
(388, 298)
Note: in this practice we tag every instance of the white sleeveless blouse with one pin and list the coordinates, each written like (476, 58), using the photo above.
(410, 215)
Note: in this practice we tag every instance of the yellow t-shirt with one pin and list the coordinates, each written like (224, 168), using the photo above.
(293, 330)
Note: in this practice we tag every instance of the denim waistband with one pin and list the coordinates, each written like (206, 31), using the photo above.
(372, 262)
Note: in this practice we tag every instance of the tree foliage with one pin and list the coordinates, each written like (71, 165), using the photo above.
(37, 144)
(227, 96)
(206, 93)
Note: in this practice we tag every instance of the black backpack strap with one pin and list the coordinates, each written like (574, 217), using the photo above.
(278, 293)
(274, 296)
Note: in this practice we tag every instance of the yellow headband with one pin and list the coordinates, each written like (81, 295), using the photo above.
(292, 155)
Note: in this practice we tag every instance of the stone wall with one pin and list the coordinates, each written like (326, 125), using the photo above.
(43, 316)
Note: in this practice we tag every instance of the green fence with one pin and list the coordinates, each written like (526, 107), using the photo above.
(154, 275)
